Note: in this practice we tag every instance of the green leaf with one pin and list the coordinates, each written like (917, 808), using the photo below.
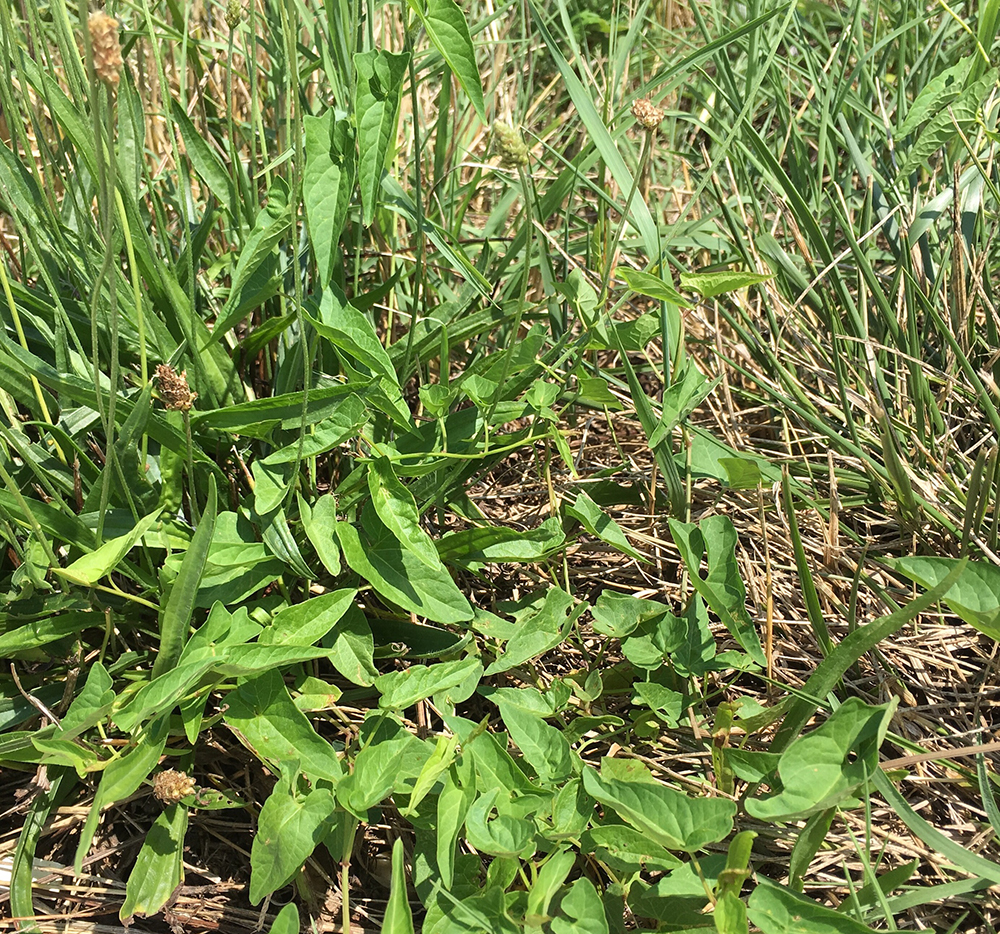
(547, 883)
(307, 622)
(540, 630)
(287, 921)
(453, 805)
(397, 509)
(39, 632)
(647, 284)
(398, 916)
(827, 765)
(974, 596)
(352, 648)
(122, 777)
(290, 826)
(328, 434)
(777, 910)
(670, 818)
(402, 689)
(183, 592)
(711, 284)
(581, 911)
(350, 331)
(618, 615)
(447, 29)
(722, 588)
(327, 186)
(376, 104)
(959, 114)
(159, 868)
(626, 849)
(599, 524)
(204, 159)
(320, 524)
(544, 746)
(493, 543)
(397, 575)
(934, 96)
(90, 568)
(271, 225)
(264, 717)
(504, 835)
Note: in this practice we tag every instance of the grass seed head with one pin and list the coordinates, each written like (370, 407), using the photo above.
(234, 13)
(174, 389)
(647, 113)
(106, 47)
(508, 143)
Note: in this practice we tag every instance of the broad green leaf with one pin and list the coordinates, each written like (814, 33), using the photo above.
(974, 596)
(711, 284)
(544, 746)
(626, 849)
(270, 486)
(376, 104)
(390, 755)
(827, 765)
(163, 693)
(350, 331)
(742, 473)
(159, 867)
(122, 777)
(647, 284)
(271, 225)
(547, 883)
(539, 631)
(674, 820)
(352, 647)
(934, 96)
(320, 524)
(397, 575)
(402, 689)
(599, 524)
(447, 29)
(453, 805)
(440, 762)
(397, 509)
(504, 835)
(653, 640)
(960, 114)
(581, 911)
(287, 921)
(204, 159)
(617, 614)
(670, 704)
(90, 568)
(264, 717)
(37, 632)
(91, 705)
(398, 916)
(327, 186)
(328, 434)
(722, 588)
(290, 826)
(492, 543)
(777, 910)
(307, 622)
(176, 617)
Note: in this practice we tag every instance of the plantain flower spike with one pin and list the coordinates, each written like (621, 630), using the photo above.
(508, 143)
(106, 47)
(234, 13)
(174, 389)
(648, 115)
(171, 786)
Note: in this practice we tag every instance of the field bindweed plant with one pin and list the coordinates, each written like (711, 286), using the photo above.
(288, 286)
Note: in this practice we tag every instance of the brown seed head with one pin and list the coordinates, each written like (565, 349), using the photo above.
(107, 50)
(171, 786)
(647, 113)
(174, 389)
